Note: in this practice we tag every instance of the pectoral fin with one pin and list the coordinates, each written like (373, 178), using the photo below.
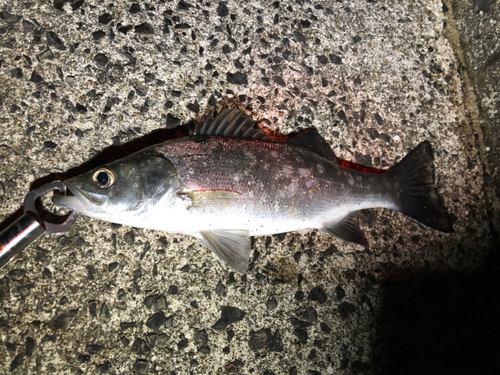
(209, 198)
(232, 246)
(347, 229)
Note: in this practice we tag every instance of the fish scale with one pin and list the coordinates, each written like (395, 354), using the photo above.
(305, 198)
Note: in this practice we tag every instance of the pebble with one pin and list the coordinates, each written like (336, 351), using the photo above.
(149, 301)
(76, 4)
(112, 266)
(299, 323)
(101, 59)
(220, 289)
(98, 35)
(16, 73)
(183, 5)
(103, 368)
(335, 59)
(17, 273)
(172, 121)
(83, 358)
(173, 290)
(324, 327)
(279, 81)
(272, 304)
(140, 347)
(135, 8)
(54, 41)
(301, 334)
(222, 10)
(30, 346)
(265, 339)
(203, 336)
(317, 294)
(125, 29)
(345, 309)
(105, 18)
(308, 313)
(140, 365)
(16, 362)
(183, 344)
(231, 368)
(81, 108)
(36, 78)
(9, 18)
(229, 315)
(299, 295)
(127, 325)
(145, 28)
(339, 292)
(204, 349)
(48, 338)
(64, 319)
(157, 321)
(237, 78)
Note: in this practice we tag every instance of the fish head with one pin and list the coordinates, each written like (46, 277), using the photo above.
(124, 191)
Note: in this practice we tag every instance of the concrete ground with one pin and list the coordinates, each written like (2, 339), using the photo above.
(86, 80)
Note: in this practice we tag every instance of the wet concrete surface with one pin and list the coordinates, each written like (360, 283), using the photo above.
(87, 81)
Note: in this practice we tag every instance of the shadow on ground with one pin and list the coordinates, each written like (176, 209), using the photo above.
(441, 323)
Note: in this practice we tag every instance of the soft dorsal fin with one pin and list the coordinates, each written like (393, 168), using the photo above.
(347, 229)
(312, 141)
(232, 123)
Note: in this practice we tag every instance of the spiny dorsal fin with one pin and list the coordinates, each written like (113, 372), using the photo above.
(312, 141)
(232, 246)
(232, 123)
(347, 229)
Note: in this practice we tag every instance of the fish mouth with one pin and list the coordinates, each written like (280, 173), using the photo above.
(80, 201)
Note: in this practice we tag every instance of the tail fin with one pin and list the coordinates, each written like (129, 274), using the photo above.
(416, 196)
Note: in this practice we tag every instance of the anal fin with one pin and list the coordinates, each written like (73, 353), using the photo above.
(232, 246)
(347, 229)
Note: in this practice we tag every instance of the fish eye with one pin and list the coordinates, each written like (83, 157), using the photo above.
(104, 178)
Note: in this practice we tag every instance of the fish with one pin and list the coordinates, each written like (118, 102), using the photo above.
(230, 180)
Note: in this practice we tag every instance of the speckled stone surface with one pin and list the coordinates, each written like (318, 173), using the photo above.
(375, 78)
(478, 24)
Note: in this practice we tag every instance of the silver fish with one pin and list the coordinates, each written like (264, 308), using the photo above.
(229, 181)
